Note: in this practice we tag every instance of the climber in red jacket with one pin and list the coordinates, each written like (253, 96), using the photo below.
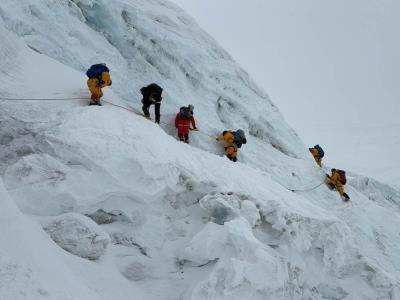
(182, 122)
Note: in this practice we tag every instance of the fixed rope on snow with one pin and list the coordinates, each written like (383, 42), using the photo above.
(307, 190)
(41, 99)
(132, 110)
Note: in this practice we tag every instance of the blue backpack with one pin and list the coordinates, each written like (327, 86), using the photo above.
(321, 152)
(96, 70)
(239, 140)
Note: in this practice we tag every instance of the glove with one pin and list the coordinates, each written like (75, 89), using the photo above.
(195, 129)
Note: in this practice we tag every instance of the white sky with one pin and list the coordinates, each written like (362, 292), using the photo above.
(324, 63)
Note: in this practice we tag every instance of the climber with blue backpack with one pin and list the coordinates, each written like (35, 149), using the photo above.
(233, 141)
(99, 77)
(318, 153)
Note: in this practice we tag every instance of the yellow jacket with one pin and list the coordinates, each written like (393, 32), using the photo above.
(335, 180)
(315, 154)
(231, 151)
(105, 79)
(95, 85)
(228, 137)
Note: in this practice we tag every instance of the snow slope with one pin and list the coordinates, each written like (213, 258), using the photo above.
(193, 225)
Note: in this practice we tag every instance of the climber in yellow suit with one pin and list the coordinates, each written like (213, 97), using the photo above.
(316, 156)
(99, 77)
(318, 153)
(233, 141)
(337, 181)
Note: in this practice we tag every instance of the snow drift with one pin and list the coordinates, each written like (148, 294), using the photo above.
(192, 224)
(78, 235)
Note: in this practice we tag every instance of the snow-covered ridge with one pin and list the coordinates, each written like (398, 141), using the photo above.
(177, 221)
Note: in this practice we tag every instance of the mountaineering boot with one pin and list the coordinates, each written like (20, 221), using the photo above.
(95, 101)
(345, 197)
(147, 117)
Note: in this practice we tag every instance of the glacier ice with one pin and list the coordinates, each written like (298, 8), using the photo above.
(193, 225)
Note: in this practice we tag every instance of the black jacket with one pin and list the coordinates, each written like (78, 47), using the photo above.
(152, 89)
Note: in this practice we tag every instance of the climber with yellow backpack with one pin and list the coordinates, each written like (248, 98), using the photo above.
(233, 141)
(337, 180)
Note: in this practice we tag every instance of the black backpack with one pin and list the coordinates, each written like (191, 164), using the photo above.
(184, 113)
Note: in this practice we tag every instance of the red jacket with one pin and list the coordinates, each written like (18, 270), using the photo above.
(184, 125)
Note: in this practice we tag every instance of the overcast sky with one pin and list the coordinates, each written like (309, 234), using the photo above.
(321, 61)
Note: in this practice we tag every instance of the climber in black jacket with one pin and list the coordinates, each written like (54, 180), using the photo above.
(151, 95)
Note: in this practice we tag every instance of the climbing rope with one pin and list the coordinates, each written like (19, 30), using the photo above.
(130, 109)
(41, 99)
(307, 190)
(134, 111)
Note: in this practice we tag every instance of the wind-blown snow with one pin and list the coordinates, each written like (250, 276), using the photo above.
(194, 225)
